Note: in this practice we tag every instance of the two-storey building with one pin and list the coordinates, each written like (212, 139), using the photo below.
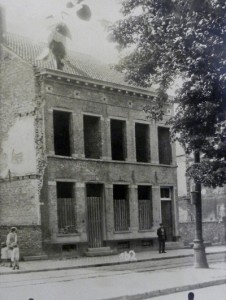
(81, 166)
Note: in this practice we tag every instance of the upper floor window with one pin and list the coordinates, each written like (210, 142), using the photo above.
(118, 140)
(142, 142)
(62, 132)
(165, 151)
(92, 137)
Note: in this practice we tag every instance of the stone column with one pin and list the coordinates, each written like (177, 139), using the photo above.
(81, 209)
(173, 147)
(104, 138)
(130, 138)
(154, 144)
(133, 205)
(156, 206)
(49, 132)
(52, 206)
(109, 212)
(78, 132)
(107, 139)
(175, 211)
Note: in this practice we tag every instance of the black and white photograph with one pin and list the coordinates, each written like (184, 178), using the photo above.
(112, 149)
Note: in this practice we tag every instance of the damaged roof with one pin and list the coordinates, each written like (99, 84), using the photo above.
(76, 63)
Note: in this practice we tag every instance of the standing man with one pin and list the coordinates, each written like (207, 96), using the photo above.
(161, 233)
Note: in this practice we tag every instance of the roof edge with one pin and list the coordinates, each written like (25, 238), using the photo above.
(102, 83)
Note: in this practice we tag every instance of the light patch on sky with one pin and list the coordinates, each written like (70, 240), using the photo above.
(28, 18)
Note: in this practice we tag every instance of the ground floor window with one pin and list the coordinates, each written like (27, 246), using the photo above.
(66, 207)
(145, 207)
(121, 207)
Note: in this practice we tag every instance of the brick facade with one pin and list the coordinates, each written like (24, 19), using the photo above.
(30, 185)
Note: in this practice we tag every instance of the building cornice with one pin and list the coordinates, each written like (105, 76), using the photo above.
(95, 83)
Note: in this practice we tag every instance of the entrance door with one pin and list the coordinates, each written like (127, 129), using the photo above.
(166, 210)
(94, 211)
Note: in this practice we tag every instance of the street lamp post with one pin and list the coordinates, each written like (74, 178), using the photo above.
(200, 260)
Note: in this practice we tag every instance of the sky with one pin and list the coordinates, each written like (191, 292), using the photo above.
(28, 18)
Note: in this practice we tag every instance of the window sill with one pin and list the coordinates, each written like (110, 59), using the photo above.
(146, 230)
(68, 234)
(122, 232)
(108, 160)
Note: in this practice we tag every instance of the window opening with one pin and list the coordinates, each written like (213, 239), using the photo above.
(142, 142)
(145, 207)
(121, 207)
(66, 207)
(165, 193)
(92, 137)
(118, 139)
(61, 124)
(165, 151)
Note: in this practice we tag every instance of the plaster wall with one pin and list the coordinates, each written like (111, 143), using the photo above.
(18, 155)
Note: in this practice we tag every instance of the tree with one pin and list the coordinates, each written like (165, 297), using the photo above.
(171, 38)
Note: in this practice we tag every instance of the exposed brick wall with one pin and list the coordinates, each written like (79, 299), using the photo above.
(29, 238)
(212, 231)
(19, 197)
(17, 90)
(19, 202)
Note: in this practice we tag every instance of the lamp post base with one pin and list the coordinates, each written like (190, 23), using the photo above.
(200, 260)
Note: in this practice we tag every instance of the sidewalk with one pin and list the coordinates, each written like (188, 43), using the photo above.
(85, 262)
(111, 285)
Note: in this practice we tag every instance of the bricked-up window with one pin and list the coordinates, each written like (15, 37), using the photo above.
(66, 207)
(121, 207)
(145, 207)
(118, 140)
(142, 142)
(62, 133)
(165, 151)
(92, 137)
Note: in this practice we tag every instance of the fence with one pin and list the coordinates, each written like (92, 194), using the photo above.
(145, 214)
(66, 215)
(121, 214)
(94, 221)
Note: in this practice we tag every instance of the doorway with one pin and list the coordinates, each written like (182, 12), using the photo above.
(94, 194)
(167, 220)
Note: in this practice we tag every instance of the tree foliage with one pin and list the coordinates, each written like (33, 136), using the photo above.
(169, 38)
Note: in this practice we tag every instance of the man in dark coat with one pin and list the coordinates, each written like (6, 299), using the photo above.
(161, 233)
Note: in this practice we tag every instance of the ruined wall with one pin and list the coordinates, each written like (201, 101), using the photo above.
(18, 155)
(214, 232)
(29, 239)
(19, 150)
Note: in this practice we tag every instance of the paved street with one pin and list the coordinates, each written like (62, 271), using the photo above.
(108, 282)
(146, 266)
(210, 293)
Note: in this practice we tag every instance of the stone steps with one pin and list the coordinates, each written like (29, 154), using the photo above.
(101, 251)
